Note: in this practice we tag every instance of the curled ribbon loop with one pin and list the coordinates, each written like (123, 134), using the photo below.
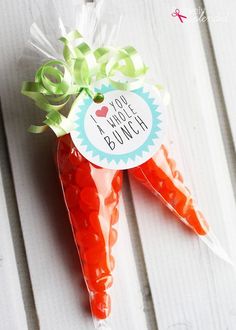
(56, 80)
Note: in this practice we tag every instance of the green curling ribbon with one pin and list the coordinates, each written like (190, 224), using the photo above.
(57, 81)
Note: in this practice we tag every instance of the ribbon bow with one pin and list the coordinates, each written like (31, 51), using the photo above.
(56, 81)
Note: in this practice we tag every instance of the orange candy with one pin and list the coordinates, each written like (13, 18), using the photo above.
(91, 195)
(101, 305)
(159, 175)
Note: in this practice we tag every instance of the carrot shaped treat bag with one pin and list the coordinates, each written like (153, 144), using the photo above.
(161, 176)
(91, 194)
(106, 119)
(78, 90)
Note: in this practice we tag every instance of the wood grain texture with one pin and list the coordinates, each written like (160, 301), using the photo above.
(190, 287)
(11, 303)
(221, 24)
(13, 220)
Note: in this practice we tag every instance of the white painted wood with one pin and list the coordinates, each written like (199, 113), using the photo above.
(59, 291)
(222, 27)
(191, 288)
(12, 313)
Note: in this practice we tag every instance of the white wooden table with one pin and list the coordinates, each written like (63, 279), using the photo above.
(165, 277)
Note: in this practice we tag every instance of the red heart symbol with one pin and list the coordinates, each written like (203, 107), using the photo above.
(102, 112)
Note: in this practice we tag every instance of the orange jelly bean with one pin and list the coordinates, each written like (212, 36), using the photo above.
(91, 194)
(101, 304)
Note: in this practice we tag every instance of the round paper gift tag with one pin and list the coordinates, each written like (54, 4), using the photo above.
(123, 131)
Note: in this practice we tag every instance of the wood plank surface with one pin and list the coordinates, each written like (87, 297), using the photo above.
(164, 274)
(11, 303)
(191, 288)
(222, 27)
